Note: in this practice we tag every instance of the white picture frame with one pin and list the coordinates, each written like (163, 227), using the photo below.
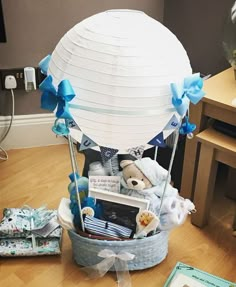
(141, 203)
(119, 208)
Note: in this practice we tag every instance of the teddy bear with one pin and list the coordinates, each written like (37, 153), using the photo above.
(145, 178)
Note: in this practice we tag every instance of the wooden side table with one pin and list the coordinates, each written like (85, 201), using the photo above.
(220, 91)
(214, 147)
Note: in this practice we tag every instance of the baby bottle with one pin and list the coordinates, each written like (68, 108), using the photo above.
(96, 168)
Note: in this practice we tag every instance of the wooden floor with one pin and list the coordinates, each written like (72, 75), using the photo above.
(40, 175)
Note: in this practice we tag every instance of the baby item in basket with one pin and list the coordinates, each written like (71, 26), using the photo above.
(147, 222)
(96, 168)
(64, 215)
(89, 203)
(66, 218)
(105, 228)
(174, 212)
(82, 184)
(145, 178)
(87, 210)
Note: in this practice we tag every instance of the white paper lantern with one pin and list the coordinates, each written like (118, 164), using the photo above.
(120, 64)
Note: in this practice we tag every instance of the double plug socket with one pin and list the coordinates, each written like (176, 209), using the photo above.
(19, 75)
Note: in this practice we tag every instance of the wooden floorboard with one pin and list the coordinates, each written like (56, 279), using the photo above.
(39, 176)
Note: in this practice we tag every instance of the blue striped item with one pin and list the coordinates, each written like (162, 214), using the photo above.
(105, 228)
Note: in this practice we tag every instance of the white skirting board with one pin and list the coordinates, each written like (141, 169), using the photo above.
(29, 131)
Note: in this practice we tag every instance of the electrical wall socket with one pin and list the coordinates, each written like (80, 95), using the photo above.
(18, 73)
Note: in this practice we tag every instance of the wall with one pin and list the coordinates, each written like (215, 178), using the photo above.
(34, 28)
(199, 26)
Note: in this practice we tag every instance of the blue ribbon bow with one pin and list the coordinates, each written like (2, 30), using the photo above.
(51, 98)
(189, 90)
(44, 63)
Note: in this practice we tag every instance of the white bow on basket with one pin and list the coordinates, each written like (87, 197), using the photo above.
(111, 258)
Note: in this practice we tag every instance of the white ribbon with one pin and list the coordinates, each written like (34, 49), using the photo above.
(38, 218)
(135, 112)
(111, 258)
(32, 228)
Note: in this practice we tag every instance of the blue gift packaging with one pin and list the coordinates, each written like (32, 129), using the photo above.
(29, 232)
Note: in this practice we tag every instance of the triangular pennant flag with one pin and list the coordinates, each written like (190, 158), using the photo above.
(172, 124)
(107, 153)
(73, 125)
(137, 151)
(158, 140)
(86, 143)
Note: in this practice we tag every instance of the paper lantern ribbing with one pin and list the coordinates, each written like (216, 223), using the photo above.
(120, 64)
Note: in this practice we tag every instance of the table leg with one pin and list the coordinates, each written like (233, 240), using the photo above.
(191, 152)
(205, 183)
(231, 184)
(234, 223)
(188, 174)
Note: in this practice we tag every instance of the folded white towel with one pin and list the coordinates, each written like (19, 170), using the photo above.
(64, 215)
(174, 212)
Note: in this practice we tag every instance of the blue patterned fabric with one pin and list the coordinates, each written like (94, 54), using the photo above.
(100, 227)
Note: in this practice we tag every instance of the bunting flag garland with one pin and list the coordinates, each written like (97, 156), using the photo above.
(107, 153)
(158, 140)
(86, 143)
(73, 125)
(137, 152)
(172, 124)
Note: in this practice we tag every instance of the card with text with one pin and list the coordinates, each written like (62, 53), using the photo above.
(109, 183)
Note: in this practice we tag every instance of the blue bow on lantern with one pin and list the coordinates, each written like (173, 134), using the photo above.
(44, 63)
(51, 98)
(190, 90)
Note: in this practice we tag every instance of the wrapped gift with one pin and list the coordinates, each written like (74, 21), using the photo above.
(29, 232)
